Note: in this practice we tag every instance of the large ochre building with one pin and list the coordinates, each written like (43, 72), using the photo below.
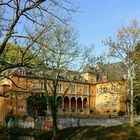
(90, 94)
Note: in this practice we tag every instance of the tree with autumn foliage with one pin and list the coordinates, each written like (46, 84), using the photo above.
(123, 47)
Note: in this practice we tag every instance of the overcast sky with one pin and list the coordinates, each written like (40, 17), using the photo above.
(100, 19)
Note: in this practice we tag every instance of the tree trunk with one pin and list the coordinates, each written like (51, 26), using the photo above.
(54, 117)
(131, 93)
(132, 98)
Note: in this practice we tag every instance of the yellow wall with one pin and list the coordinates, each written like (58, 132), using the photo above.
(91, 78)
(95, 94)
(105, 98)
(5, 108)
(1, 110)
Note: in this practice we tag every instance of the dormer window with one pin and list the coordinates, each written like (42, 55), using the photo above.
(22, 72)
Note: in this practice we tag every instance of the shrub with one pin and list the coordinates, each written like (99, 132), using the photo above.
(2, 129)
(121, 113)
(42, 134)
(91, 111)
(8, 117)
(22, 117)
(73, 110)
(20, 131)
(137, 123)
(114, 111)
(108, 111)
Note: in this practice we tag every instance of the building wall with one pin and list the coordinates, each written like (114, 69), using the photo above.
(82, 98)
(108, 97)
(1, 110)
(5, 108)
(91, 78)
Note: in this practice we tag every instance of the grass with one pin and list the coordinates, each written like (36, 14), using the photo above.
(100, 133)
(16, 131)
(122, 132)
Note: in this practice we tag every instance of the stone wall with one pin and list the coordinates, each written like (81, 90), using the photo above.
(90, 121)
(65, 122)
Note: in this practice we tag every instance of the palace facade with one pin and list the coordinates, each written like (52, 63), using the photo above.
(91, 93)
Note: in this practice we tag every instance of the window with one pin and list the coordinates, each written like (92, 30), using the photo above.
(85, 89)
(22, 72)
(115, 89)
(100, 90)
(97, 91)
(114, 103)
(60, 87)
(92, 80)
(20, 107)
(19, 96)
(73, 89)
(33, 84)
(105, 104)
(98, 104)
(105, 90)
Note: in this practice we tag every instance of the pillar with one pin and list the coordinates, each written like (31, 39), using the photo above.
(69, 105)
(76, 104)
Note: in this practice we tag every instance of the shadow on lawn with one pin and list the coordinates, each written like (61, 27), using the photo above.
(100, 133)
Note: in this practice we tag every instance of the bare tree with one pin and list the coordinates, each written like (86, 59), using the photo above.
(18, 17)
(60, 55)
(58, 52)
(122, 48)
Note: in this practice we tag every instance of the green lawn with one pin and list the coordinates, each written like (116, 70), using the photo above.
(100, 133)
(123, 132)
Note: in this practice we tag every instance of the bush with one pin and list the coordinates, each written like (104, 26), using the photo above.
(2, 129)
(20, 131)
(73, 110)
(8, 117)
(137, 123)
(114, 111)
(30, 132)
(91, 111)
(108, 111)
(42, 134)
(121, 113)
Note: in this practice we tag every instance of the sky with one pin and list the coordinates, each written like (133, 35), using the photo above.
(99, 19)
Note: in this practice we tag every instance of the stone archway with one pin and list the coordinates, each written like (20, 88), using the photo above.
(79, 103)
(85, 103)
(59, 102)
(66, 103)
(73, 103)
